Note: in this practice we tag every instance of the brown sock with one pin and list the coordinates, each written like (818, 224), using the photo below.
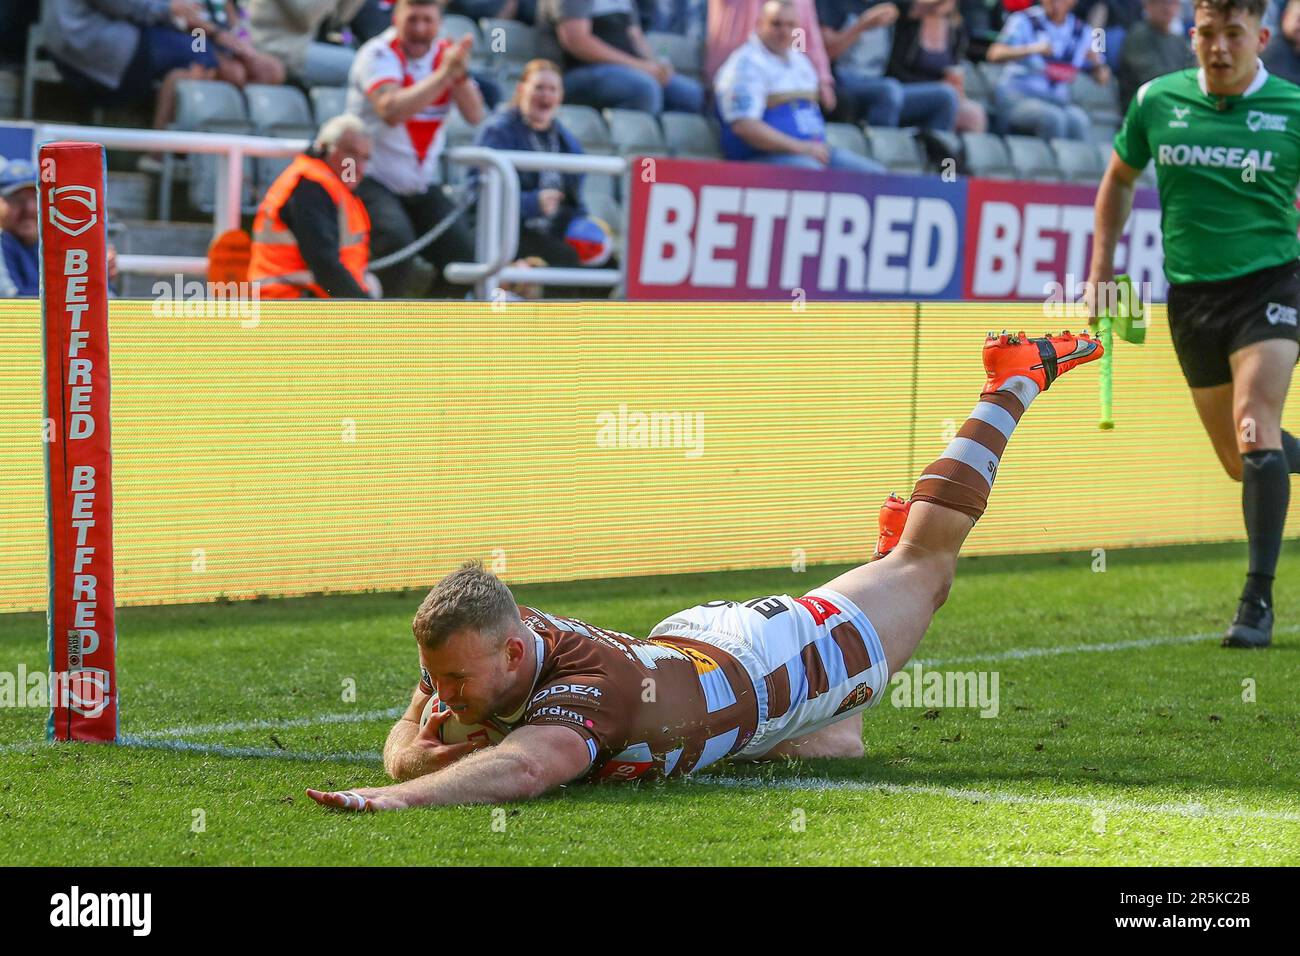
(962, 477)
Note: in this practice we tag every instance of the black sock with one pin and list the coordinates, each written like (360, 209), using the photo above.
(1265, 495)
(1291, 448)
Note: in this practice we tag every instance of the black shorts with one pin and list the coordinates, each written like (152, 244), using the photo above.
(1208, 321)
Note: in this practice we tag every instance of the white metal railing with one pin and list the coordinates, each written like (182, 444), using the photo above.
(498, 207)
(498, 218)
(231, 147)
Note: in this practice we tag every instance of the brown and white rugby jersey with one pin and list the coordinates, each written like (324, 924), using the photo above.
(647, 708)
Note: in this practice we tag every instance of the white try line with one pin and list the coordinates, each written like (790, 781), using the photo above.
(219, 750)
(1104, 647)
(391, 713)
(275, 723)
(1001, 797)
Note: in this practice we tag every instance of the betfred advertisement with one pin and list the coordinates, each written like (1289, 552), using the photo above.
(74, 304)
(1026, 237)
(716, 231)
(701, 230)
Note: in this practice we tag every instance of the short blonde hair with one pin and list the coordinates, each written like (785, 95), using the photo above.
(471, 597)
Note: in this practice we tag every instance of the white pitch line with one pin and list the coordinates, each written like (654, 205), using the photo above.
(275, 723)
(222, 750)
(1003, 797)
(350, 717)
(1024, 653)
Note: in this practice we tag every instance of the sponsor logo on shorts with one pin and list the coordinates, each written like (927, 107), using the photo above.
(857, 697)
(1279, 314)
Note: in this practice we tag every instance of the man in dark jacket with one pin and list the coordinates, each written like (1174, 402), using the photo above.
(1151, 50)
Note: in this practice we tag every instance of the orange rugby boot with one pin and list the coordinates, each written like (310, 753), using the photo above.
(893, 515)
(1041, 360)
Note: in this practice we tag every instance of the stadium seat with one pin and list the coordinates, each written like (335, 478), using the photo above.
(585, 123)
(686, 55)
(635, 133)
(987, 155)
(976, 83)
(1101, 101)
(598, 184)
(991, 73)
(1078, 162)
(458, 133)
(1103, 130)
(607, 208)
(1033, 159)
(897, 149)
(455, 26)
(508, 43)
(690, 136)
(208, 106)
(328, 102)
(280, 111)
(37, 69)
(848, 137)
(943, 150)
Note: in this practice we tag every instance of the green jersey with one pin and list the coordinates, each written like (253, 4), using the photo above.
(1226, 167)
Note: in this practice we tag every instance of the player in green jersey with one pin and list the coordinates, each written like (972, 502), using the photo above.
(1225, 139)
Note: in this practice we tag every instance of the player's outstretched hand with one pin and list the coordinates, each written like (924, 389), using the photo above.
(366, 800)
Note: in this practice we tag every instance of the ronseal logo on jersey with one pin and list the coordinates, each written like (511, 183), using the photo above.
(1184, 154)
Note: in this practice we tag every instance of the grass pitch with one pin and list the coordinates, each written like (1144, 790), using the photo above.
(1121, 737)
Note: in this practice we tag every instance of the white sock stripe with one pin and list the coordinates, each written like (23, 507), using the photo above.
(1023, 387)
(970, 452)
(995, 415)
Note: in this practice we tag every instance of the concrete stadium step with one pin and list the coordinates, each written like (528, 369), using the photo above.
(153, 237)
(131, 196)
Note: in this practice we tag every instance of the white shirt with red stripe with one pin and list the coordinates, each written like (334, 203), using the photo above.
(403, 157)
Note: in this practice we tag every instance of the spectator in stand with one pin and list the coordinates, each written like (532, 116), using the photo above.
(20, 269)
(477, 10)
(930, 41)
(687, 18)
(1114, 18)
(1282, 55)
(858, 41)
(1046, 47)
(548, 200)
(311, 236)
(287, 30)
(1152, 49)
(238, 62)
(767, 99)
(732, 23)
(404, 84)
(113, 51)
(607, 61)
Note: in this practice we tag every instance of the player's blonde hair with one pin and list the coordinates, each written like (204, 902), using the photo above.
(472, 597)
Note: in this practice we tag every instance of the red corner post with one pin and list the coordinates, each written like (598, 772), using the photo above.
(78, 454)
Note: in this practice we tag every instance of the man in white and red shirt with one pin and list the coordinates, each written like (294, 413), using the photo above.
(404, 84)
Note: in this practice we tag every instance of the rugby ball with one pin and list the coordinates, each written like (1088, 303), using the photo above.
(454, 732)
